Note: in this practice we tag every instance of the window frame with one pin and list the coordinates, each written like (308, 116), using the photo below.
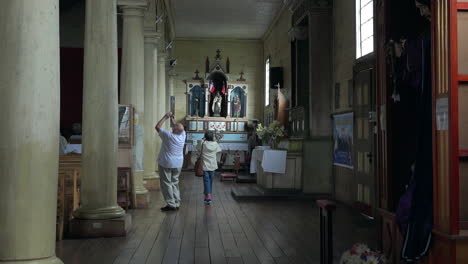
(267, 81)
(359, 25)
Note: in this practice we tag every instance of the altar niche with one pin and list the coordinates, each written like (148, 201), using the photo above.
(217, 94)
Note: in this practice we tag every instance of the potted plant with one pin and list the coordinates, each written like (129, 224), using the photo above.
(362, 254)
(272, 134)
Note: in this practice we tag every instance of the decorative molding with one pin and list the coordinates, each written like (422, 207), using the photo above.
(301, 7)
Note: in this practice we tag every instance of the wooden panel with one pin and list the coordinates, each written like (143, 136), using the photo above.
(441, 84)
(462, 251)
(462, 43)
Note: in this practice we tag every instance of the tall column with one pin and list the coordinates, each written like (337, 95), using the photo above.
(162, 84)
(133, 86)
(100, 118)
(29, 134)
(171, 76)
(150, 175)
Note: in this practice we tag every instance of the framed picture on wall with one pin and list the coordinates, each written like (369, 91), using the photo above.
(343, 140)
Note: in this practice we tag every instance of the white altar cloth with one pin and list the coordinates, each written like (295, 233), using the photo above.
(271, 160)
(274, 161)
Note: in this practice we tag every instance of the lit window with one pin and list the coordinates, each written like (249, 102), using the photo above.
(267, 82)
(364, 27)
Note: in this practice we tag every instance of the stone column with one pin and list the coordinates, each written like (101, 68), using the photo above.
(133, 86)
(100, 118)
(162, 84)
(151, 140)
(29, 134)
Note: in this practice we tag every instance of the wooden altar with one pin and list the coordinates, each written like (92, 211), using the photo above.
(219, 104)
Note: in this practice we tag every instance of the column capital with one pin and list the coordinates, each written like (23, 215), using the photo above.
(133, 7)
(172, 73)
(162, 56)
(133, 3)
(152, 37)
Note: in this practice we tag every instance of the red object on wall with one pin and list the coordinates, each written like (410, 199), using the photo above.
(71, 85)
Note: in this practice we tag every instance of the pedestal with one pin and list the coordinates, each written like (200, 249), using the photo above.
(80, 228)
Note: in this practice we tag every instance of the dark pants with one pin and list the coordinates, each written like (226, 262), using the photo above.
(208, 181)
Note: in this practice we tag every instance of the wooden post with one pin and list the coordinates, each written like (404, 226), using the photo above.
(326, 209)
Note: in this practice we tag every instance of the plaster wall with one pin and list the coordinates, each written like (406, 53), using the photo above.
(344, 54)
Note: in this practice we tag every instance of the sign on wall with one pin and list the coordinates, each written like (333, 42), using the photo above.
(343, 144)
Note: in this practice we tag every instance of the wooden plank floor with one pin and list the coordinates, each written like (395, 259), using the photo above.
(227, 232)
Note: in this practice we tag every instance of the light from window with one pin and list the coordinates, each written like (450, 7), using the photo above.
(364, 27)
(267, 82)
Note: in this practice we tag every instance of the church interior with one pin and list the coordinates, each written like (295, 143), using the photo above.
(342, 127)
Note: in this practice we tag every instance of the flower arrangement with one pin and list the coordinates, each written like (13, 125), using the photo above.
(362, 254)
(271, 134)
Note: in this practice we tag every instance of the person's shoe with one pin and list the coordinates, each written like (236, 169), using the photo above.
(168, 208)
(207, 201)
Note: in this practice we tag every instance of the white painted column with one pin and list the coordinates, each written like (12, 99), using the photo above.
(29, 134)
(172, 76)
(151, 40)
(132, 85)
(162, 56)
(100, 114)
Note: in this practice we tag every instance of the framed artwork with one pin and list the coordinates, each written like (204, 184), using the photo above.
(343, 136)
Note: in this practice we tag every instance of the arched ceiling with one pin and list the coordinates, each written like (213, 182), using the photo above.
(239, 19)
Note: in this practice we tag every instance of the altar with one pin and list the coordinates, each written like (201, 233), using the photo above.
(217, 103)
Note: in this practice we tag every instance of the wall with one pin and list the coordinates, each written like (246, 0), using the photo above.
(278, 47)
(343, 60)
(244, 55)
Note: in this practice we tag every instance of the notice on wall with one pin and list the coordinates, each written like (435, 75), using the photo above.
(442, 107)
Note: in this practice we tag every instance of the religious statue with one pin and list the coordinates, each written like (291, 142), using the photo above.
(217, 102)
(237, 106)
(197, 105)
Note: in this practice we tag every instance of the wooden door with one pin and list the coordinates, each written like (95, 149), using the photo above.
(364, 136)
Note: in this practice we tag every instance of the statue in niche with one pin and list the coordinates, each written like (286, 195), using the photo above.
(217, 103)
(237, 102)
(237, 106)
(196, 103)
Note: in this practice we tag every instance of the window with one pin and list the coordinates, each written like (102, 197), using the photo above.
(364, 27)
(267, 82)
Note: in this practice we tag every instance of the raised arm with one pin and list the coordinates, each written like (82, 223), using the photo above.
(161, 122)
(173, 123)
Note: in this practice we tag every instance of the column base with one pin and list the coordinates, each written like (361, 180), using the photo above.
(138, 182)
(152, 183)
(50, 260)
(99, 213)
(118, 227)
(142, 200)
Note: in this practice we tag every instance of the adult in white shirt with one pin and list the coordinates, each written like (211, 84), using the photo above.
(170, 161)
(208, 149)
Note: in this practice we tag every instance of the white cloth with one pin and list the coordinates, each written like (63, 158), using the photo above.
(73, 148)
(257, 155)
(63, 146)
(224, 146)
(209, 151)
(274, 161)
(172, 149)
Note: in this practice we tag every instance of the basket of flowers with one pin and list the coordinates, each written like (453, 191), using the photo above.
(362, 254)
(272, 134)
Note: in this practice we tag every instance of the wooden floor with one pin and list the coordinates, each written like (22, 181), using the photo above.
(227, 232)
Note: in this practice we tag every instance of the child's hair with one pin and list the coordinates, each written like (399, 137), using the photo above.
(209, 136)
